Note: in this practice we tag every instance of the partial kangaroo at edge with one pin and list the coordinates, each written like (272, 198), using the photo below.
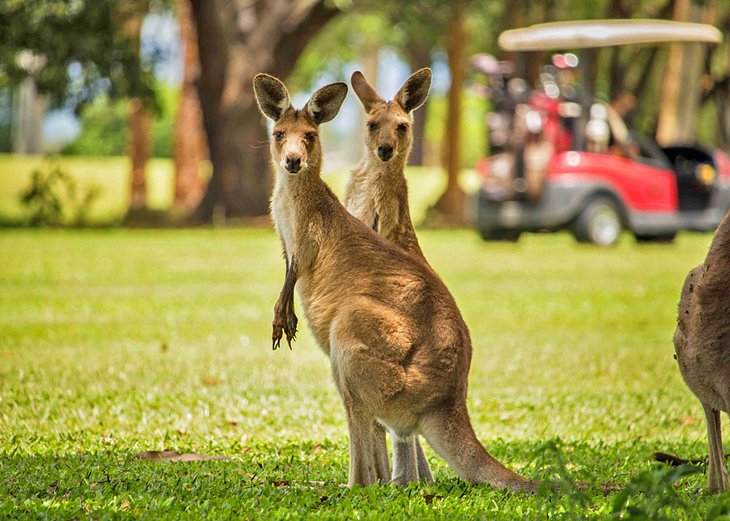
(702, 344)
(377, 194)
(398, 346)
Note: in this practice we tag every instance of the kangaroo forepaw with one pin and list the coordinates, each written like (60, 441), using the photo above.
(278, 327)
(290, 328)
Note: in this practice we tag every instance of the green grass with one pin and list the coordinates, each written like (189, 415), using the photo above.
(111, 177)
(114, 342)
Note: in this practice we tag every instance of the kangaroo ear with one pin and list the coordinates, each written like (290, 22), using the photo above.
(326, 102)
(415, 90)
(271, 96)
(365, 93)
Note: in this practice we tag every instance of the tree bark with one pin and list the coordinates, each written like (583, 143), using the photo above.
(139, 123)
(235, 42)
(139, 119)
(190, 147)
(451, 203)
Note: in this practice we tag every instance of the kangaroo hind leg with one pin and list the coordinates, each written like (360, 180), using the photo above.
(717, 480)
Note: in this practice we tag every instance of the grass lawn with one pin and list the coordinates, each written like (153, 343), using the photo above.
(115, 342)
(110, 176)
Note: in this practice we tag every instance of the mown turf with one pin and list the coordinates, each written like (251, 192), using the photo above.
(109, 178)
(117, 342)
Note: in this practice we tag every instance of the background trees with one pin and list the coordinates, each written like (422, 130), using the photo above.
(74, 53)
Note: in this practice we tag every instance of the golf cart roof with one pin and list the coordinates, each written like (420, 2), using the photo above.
(604, 33)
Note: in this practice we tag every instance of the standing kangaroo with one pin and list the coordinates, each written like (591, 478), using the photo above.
(702, 344)
(398, 347)
(377, 194)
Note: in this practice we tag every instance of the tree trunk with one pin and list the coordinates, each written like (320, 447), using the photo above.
(419, 56)
(190, 147)
(139, 119)
(680, 98)
(451, 203)
(234, 43)
(139, 123)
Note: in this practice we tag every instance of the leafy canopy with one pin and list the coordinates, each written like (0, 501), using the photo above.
(73, 48)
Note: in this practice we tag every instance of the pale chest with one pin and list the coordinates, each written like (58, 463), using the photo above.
(362, 206)
(284, 221)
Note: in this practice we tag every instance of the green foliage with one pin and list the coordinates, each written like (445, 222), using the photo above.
(162, 127)
(104, 126)
(109, 176)
(341, 42)
(88, 33)
(104, 129)
(474, 143)
(116, 342)
(52, 195)
(652, 495)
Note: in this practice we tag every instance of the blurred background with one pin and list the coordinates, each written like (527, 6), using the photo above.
(141, 111)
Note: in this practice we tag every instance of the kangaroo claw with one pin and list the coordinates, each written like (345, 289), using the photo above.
(278, 328)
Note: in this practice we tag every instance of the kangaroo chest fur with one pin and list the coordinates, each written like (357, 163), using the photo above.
(378, 196)
(282, 215)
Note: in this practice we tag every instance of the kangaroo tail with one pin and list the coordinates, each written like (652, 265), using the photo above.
(452, 437)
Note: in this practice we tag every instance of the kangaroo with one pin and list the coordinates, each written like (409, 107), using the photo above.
(377, 194)
(702, 344)
(398, 347)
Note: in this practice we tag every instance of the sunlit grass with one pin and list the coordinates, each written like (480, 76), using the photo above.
(114, 342)
(110, 176)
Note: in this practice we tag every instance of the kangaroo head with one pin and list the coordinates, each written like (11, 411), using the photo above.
(295, 145)
(389, 122)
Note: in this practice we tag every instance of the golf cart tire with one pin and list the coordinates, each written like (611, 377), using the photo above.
(599, 223)
(500, 235)
(661, 238)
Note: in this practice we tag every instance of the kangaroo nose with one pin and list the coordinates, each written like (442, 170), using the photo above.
(293, 163)
(385, 152)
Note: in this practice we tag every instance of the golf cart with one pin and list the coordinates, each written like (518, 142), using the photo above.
(563, 160)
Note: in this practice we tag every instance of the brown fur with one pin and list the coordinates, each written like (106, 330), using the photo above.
(398, 346)
(377, 194)
(702, 344)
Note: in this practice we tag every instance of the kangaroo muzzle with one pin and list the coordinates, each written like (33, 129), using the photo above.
(293, 164)
(385, 152)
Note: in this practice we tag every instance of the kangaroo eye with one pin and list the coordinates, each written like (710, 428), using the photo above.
(402, 127)
(278, 135)
(372, 127)
(310, 137)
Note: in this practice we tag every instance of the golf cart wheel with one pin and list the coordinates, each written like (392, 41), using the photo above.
(664, 238)
(500, 235)
(599, 223)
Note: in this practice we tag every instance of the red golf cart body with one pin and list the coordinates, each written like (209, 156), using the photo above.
(629, 184)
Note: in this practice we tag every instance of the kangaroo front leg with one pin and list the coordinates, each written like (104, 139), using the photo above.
(285, 320)
(717, 480)
(405, 466)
